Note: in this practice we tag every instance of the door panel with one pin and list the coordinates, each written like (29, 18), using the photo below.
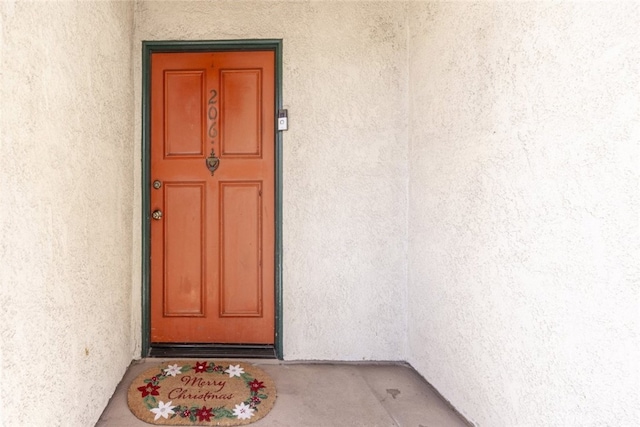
(184, 113)
(241, 93)
(240, 220)
(212, 250)
(184, 251)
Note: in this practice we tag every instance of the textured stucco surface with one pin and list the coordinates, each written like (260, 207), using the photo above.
(66, 179)
(524, 210)
(345, 167)
(460, 191)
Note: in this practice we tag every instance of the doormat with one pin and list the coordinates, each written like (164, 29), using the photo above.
(207, 393)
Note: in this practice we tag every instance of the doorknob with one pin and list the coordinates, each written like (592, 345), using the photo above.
(157, 214)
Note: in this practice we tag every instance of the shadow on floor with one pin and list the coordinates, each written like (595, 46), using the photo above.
(326, 394)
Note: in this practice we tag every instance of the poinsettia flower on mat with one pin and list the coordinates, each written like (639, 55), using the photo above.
(204, 414)
(173, 370)
(234, 371)
(163, 410)
(256, 385)
(243, 411)
(149, 389)
(201, 367)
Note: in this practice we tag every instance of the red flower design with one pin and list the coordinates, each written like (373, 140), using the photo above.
(254, 401)
(201, 367)
(149, 389)
(204, 414)
(256, 385)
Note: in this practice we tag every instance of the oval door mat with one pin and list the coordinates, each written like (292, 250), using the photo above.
(202, 393)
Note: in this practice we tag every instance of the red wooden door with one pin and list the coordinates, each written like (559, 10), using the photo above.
(212, 235)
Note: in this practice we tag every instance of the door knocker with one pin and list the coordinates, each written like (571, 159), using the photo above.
(212, 162)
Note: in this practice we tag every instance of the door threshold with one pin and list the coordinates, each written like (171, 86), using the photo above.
(244, 351)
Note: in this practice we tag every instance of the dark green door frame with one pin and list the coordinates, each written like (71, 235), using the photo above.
(149, 47)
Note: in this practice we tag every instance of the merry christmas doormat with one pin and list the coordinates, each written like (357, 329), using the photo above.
(202, 393)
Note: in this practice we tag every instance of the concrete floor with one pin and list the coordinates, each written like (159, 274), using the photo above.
(326, 394)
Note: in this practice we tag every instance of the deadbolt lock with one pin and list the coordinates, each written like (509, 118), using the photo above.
(157, 214)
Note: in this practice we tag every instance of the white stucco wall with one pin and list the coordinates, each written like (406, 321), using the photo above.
(345, 166)
(524, 210)
(66, 177)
